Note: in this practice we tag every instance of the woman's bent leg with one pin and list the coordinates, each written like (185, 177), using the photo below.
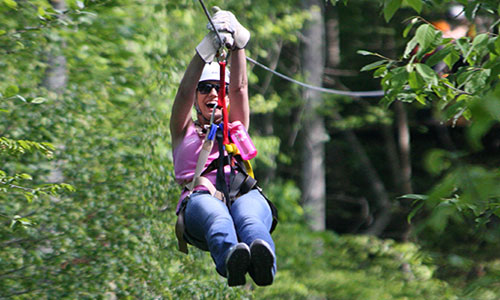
(207, 220)
(253, 219)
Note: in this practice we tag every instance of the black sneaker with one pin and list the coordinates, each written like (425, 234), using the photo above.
(237, 263)
(261, 263)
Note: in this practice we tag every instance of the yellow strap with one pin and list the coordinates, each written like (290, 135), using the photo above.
(231, 148)
(249, 168)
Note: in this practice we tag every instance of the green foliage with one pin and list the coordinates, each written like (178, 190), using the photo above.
(324, 265)
(111, 236)
(414, 79)
(286, 197)
(14, 147)
(107, 237)
(467, 90)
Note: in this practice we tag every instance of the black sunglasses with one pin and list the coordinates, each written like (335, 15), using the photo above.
(205, 87)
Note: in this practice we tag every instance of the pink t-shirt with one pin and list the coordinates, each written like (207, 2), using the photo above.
(186, 156)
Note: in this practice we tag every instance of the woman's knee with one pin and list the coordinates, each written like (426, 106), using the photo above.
(251, 205)
(249, 222)
(252, 218)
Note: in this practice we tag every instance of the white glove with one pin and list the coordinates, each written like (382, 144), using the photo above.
(208, 47)
(225, 21)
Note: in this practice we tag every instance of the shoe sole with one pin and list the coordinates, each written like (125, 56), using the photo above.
(261, 264)
(237, 266)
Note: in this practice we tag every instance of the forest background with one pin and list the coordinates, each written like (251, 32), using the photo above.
(395, 197)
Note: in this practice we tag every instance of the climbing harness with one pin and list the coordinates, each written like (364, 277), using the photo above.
(241, 180)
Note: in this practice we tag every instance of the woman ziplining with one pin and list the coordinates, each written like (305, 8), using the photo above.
(221, 209)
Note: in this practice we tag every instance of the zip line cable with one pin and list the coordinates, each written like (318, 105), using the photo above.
(317, 88)
(366, 94)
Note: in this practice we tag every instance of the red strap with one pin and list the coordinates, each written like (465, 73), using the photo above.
(222, 100)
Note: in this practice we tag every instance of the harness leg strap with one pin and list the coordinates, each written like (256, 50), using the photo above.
(180, 228)
(179, 232)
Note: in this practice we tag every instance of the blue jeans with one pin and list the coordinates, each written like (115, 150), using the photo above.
(211, 226)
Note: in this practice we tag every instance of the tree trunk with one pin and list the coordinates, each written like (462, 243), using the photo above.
(404, 147)
(405, 161)
(392, 154)
(313, 169)
(55, 75)
(55, 80)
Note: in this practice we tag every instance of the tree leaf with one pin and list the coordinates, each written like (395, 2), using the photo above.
(410, 46)
(380, 72)
(414, 211)
(17, 219)
(438, 56)
(21, 98)
(24, 144)
(391, 6)
(373, 65)
(415, 4)
(24, 221)
(414, 197)
(25, 176)
(477, 81)
(420, 99)
(10, 3)
(38, 100)
(427, 73)
(399, 77)
(480, 40)
(425, 35)
(436, 161)
(409, 27)
(477, 131)
(451, 58)
(11, 90)
(463, 44)
(364, 52)
(493, 45)
(415, 82)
